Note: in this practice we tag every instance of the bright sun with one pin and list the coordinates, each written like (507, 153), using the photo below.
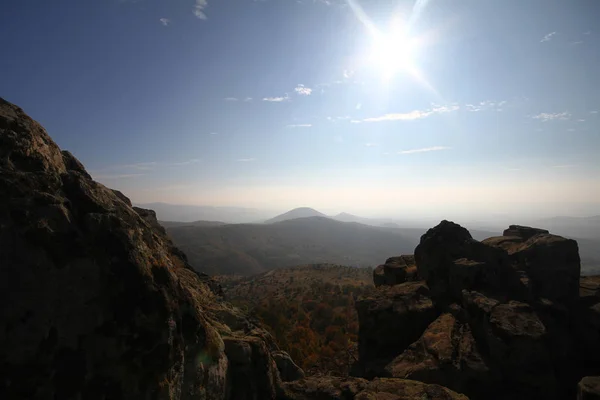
(392, 52)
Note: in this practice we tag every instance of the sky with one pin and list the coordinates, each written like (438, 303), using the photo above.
(395, 108)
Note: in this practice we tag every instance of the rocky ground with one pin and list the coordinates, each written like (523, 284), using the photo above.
(99, 304)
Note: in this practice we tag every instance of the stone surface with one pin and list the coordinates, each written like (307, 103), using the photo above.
(395, 271)
(589, 388)
(390, 319)
(551, 263)
(252, 371)
(523, 232)
(332, 388)
(445, 354)
(288, 370)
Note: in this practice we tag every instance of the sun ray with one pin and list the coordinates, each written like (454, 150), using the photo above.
(394, 51)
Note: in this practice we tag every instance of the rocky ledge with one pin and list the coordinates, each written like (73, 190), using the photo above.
(505, 318)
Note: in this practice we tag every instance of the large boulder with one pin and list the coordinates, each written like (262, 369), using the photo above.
(551, 262)
(252, 370)
(390, 319)
(102, 304)
(395, 271)
(450, 260)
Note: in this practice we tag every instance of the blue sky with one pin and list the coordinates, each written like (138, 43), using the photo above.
(276, 103)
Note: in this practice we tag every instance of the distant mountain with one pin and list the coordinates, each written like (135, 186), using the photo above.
(248, 249)
(301, 212)
(189, 213)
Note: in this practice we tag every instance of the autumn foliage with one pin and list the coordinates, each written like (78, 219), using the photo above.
(309, 310)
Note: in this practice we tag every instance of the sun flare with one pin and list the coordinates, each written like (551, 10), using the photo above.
(392, 52)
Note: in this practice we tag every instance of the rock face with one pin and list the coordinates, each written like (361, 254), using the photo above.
(505, 318)
(389, 321)
(102, 305)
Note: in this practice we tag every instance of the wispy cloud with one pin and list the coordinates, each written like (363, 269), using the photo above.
(335, 119)
(424, 150)
(165, 21)
(412, 115)
(188, 162)
(246, 159)
(577, 42)
(564, 166)
(594, 112)
(231, 99)
(199, 8)
(214, 133)
(485, 105)
(371, 144)
(303, 90)
(548, 37)
(248, 99)
(544, 117)
(276, 99)
(299, 126)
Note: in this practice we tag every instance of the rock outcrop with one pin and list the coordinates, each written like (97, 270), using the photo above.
(498, 319)
(389, 321)
(98, 301)
(396, 270)
(99, 304)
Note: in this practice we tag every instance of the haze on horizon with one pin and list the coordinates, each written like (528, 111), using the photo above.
(378, 108)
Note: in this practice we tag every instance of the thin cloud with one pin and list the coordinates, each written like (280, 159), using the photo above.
(303, 90)
(544, 117)
(564, 166)
(199, 9)
(548, 37)
(276, 99)
(165, 21)
(371, 144)
(593, 112)
(231, 99)
(246, 159)
(214, 133)
(299, 126)
(424, 150)
(576, 43)
(188, 162)
(248, 99)
(485, 105)
(410, 116)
